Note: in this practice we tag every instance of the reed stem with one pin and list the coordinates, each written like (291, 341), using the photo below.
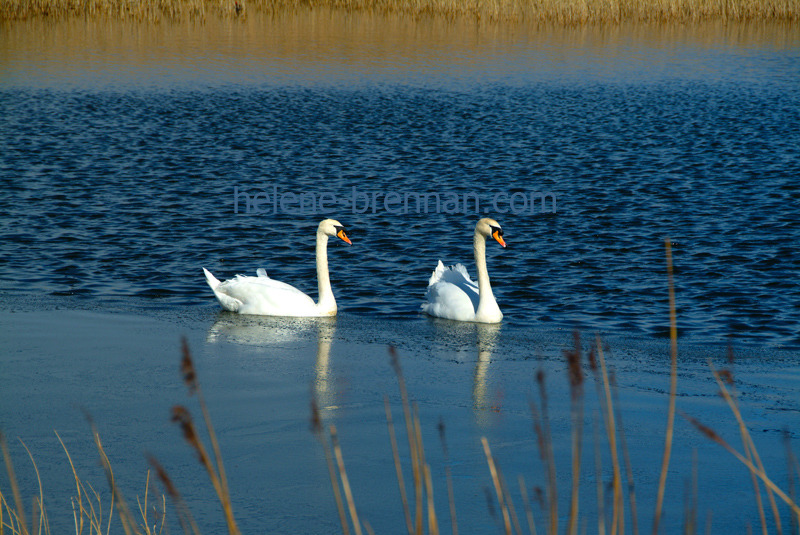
(673, 389)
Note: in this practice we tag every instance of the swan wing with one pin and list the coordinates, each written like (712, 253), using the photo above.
(450, 274)
(228, 302)
(451, 294)
(263, 295)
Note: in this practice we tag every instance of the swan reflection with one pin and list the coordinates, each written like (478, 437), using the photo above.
(324, 384)
(271, 331)
(484, 338)
(487, 335)
(254, 330)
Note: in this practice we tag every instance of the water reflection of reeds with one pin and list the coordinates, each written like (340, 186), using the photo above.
(315, 38)
(567, 12)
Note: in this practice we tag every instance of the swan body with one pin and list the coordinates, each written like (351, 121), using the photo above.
(269, 297)
(453, 295)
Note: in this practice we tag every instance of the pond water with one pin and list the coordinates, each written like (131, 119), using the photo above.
(132, 152)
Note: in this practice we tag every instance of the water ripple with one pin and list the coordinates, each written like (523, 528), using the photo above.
(130, 193)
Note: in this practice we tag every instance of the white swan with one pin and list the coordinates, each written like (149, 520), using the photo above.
(452, 294)
(268, 297)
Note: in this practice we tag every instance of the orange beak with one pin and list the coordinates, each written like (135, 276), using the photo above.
(341, 235)
(496, 235)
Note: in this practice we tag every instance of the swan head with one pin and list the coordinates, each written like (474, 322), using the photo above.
(489, 227)
(332, 228)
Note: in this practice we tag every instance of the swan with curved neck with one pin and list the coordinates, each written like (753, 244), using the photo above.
(268, 297)
(451, 292)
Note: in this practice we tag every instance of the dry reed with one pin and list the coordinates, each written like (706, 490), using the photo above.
(541, 426)
(631, 487)
(448, 473)
(215, 468)
(184, 515)
(565, 12)
(575, 373)
(317, 427)
(607, 410)
(87, 505)
(673, 386)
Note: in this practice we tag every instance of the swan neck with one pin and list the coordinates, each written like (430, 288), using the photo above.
(323, 277)
(484, 286)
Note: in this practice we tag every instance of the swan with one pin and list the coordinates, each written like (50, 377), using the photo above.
(452, 294)
(268, 297)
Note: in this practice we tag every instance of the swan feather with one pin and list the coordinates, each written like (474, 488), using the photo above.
(265, 296)
(451, 293)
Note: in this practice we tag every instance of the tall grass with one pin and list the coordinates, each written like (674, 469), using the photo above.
(88, 511)
(567, 12)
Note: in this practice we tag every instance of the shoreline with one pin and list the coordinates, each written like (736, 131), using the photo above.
(189, 315)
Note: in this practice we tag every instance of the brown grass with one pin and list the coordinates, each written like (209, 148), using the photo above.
(567, 12)
(87, 505)
(673, 386)
(215, 467)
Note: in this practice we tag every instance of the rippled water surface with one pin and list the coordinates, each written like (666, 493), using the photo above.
(121, 158)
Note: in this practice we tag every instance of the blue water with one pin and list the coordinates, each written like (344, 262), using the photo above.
(112, 194)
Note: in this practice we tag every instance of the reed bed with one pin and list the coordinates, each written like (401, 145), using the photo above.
(564, 12)
(418, 503)
(539, 511)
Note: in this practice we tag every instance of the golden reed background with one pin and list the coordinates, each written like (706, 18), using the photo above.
(564, 12)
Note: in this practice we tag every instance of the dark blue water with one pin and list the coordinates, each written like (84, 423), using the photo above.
(122, 195)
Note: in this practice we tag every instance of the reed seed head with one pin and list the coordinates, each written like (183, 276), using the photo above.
(316, 417)
(187, 367)
(592, 360)
(440, 427)
(575, 372)
(182, 417)
(490, 502)
(394, 358)
(726, 375)
(538, 495)
(704, 429)
(169, 486)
